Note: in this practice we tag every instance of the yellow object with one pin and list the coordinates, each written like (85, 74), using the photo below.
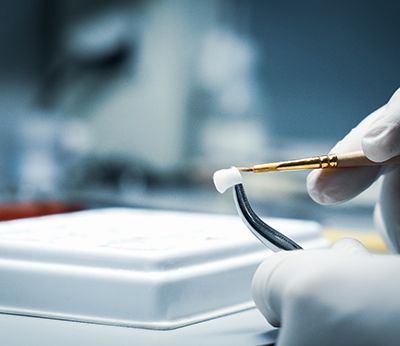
(371, 240)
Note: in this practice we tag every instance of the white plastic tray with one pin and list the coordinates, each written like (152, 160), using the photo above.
(139, 268)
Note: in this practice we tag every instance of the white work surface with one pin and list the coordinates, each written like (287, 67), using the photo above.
(119, 276)
(247, 328)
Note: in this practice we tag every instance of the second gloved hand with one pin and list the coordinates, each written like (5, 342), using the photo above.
(378, 136)
(341, 296)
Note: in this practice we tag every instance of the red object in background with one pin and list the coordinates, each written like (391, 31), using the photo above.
(12, 211)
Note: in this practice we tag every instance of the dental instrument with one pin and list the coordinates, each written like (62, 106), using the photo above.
(226, 178)
(270, 237)
(347, 160)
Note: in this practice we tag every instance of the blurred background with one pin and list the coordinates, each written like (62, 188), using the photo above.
(136, 103)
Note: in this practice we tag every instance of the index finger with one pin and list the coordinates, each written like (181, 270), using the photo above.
(339, 185)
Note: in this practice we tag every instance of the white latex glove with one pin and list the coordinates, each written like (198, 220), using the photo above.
(341, 296)
(378, 136)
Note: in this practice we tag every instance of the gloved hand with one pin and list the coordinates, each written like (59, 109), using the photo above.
(378, 136)
(341, 296)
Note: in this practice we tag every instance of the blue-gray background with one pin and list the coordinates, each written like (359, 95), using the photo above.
(137, 102)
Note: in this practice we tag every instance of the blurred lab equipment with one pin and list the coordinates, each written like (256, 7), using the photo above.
(139, 77)
(161, 93)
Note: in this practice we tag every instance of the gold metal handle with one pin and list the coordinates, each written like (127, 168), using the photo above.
(324, 161)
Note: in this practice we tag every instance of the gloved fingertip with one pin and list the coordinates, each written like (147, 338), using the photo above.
(382, 143)
(395, 98)
(262, 286)
(316, 188)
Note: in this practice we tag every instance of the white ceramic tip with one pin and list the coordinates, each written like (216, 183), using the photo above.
(226, 178)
